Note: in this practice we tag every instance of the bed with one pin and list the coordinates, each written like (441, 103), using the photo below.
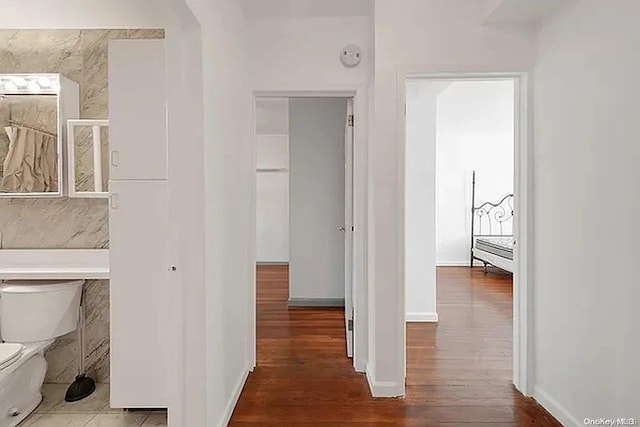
(492, 240)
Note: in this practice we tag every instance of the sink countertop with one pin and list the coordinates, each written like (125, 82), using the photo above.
(54, 264)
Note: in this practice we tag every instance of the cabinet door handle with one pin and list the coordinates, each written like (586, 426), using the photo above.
(115, 156)
(113, 201)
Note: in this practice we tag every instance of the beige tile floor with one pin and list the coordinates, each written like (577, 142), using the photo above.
(93, 411)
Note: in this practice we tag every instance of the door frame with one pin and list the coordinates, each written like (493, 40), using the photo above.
(349, 225)
(360, 202)
(523, 367)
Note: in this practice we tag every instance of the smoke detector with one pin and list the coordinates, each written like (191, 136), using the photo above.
(351, 55)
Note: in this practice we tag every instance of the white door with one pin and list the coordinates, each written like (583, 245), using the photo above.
(348, 228)
(138, 221)
(137, 110)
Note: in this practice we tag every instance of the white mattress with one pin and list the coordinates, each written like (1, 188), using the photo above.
(501, 246)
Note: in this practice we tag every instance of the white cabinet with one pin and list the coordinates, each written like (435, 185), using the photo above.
(139, 287)
(138, 223)
(137, 110)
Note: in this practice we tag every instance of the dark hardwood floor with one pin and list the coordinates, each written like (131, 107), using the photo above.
(458, 371)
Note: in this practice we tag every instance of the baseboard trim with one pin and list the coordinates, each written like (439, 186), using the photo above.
(237, 391)
(382, 389)
(459, 264)
(555, 408)
(422, 317)
(316, 302)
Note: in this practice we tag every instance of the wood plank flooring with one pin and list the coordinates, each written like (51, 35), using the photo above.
(458, 371)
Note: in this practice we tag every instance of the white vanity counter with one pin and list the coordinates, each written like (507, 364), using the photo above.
(54, 264)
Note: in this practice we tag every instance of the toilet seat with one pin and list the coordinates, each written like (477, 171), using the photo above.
(9, 354)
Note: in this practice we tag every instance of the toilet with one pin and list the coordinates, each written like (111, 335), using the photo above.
(32, 315)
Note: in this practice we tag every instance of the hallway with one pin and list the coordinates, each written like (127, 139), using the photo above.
(458, 371)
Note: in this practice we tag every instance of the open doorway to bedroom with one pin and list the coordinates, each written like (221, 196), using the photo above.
(460, 179)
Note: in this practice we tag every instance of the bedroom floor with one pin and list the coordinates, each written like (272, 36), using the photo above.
(93, 411)
(458, 372)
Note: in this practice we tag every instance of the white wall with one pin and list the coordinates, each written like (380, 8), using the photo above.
(272, 198)
(77, 14)
(586, 157)
(305, 52)
(420, 196)
(186, 213)
(317, 137)
(474, 132)
(422, 35)
(229, 159)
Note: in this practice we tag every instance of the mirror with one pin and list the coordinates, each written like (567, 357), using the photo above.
(88, 148)
(31, 135)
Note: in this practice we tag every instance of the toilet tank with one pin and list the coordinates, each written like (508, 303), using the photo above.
(32, 311)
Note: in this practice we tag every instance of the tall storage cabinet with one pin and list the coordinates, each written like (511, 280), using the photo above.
(137, 110)
(138, 222)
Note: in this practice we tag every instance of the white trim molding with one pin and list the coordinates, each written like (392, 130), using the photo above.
(235, 397)
(360, 94)
(316, 302)
(464, 263)
(422, 317)
(383, 388)
(556, 409)
(523, 366)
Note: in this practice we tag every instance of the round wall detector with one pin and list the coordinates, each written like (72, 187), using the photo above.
(351, 55)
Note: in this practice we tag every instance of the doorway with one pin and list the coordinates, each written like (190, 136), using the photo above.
(468, 130)
(304, 220)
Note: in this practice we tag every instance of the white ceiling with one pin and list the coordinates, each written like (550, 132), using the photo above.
(260, 9)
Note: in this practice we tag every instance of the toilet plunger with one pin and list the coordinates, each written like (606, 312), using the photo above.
(83, 386)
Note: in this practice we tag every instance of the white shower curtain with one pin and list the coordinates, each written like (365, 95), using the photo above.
(31, 166)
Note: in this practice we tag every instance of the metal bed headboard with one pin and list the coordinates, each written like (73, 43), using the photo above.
(494, 218)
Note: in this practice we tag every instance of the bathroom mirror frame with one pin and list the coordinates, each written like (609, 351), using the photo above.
(96, 125)
(67, 93)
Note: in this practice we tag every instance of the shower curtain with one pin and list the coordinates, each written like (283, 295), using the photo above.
(31, 166)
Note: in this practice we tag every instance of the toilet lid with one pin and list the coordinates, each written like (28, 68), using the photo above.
(9, 353)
